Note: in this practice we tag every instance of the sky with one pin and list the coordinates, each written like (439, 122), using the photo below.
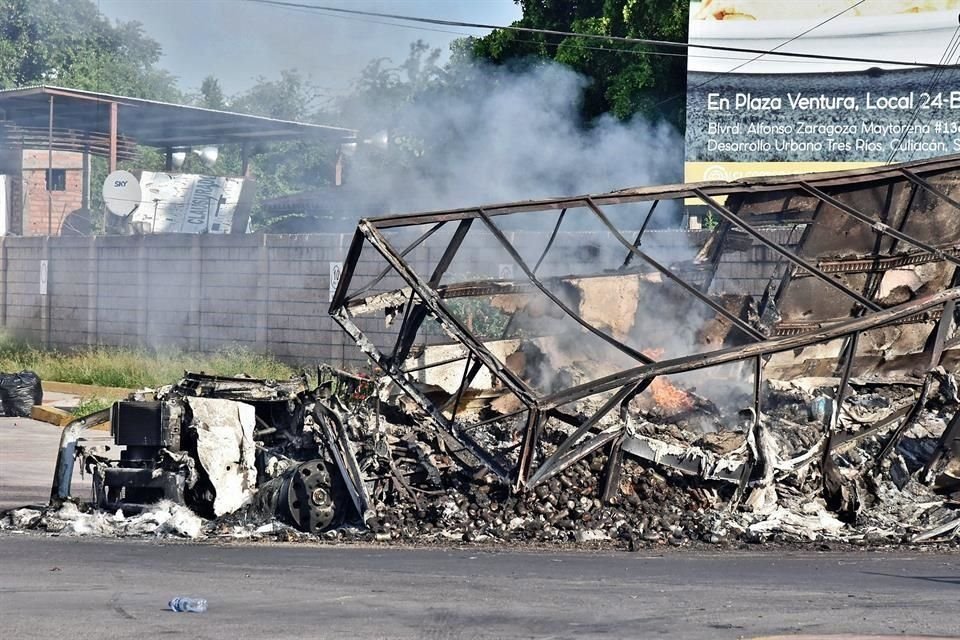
(238, 41)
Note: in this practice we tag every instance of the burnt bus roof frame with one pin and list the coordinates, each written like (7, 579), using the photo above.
(868, 315)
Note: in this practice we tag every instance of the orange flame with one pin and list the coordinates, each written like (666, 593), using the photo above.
(667, 396)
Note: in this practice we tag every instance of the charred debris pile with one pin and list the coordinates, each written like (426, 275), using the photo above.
(548, 372)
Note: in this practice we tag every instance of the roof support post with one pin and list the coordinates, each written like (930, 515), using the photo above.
(245, 160)
(338, 169)
(50, 171)
(113, 134)
(85, 180)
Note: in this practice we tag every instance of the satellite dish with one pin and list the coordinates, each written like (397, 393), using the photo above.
(121, 193)
(177, 158)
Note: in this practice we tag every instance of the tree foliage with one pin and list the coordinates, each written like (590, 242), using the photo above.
(279, 168)
(69, 43)
(383, 94)
(286, 167)
(211, 94)
(625, 78)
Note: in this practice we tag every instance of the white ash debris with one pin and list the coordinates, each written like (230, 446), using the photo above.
(751, 482)
(165, 519)
(224, 445)
(812, 523)
(21, 519)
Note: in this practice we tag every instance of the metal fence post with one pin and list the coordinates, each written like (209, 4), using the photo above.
(3, 282)
(143, 292)
(263, 294)
(93, 294)
(196, 290)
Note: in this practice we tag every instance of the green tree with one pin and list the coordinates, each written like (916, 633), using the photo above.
(68, 42)
(289, 97)
(280, 168)
(625, 78)
(211, 94)
(382, 94)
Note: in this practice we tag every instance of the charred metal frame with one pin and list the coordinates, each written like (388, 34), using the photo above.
(423, 299)
(66, 453)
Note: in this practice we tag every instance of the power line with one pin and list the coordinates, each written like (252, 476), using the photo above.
(608, 38)
(948, 53)
(556, 45)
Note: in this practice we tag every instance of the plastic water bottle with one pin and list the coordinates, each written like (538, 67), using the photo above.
(193, 605)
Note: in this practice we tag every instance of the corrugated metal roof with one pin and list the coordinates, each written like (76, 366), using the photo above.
(150, 122)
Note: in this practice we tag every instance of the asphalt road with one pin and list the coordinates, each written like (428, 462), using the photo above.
(79, 588)
(104, 589)
(28, 455)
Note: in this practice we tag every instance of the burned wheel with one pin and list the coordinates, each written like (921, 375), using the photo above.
(311, 496)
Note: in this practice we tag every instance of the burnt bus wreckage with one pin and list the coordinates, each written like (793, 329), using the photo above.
(582, 381)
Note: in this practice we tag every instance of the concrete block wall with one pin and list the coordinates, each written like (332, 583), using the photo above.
(269, 293)
(202, 293)
(749, 271)
(24, 310)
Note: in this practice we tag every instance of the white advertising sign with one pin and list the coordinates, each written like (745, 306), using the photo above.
(187, 203)
(336, 269)
(43, 277)
(756, 115)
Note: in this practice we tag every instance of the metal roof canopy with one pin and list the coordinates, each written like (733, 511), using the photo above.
(148, 122)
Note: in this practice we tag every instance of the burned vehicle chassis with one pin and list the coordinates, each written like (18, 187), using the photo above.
(164, 455)
(916, 195)
(528, 354)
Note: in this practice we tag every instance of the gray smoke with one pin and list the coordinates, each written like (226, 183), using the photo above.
(500, 134)
(517, 135)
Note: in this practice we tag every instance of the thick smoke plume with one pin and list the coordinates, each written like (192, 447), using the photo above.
(504, 135)
(497, 134)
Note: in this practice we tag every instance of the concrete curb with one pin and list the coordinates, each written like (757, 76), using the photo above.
(87, 390)
(52, 415)
(59, 418)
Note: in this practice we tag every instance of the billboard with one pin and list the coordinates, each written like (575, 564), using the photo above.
(188, 203)
(753, 115)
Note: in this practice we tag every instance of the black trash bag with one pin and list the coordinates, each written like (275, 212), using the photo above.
(18, 393)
